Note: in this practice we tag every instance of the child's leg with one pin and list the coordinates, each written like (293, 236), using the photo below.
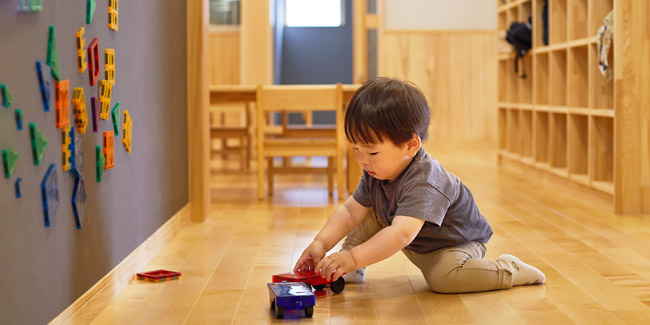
(462, 268)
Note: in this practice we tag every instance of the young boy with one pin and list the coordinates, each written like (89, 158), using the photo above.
(407, 201)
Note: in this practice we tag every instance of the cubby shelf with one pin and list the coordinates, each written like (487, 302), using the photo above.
(560, 118)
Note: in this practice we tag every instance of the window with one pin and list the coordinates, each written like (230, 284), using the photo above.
(314, 13)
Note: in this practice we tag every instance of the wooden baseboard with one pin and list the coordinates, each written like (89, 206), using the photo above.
(93, 302)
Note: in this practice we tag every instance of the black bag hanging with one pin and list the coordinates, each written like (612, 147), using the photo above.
(545, 22)
(520, 35)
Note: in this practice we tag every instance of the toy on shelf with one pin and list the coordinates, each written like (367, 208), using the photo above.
(53, 55)
(17, 187)
(159, 276)
(39, 143)
(100, 162)
(126, 131)
(109, 65)
(19, 119)
(79, 199)
(108, 149)
(79, 110)
(112, 14)
(44, 86)
(290, 296)
(62, 103)
(312, 278)
(105, 99)
(93, 61)
(7, 97)
(9, 160)
(50, 194)
(90, 10)
(93, 108)
(66, 147)
(30, 6)
(81, 55)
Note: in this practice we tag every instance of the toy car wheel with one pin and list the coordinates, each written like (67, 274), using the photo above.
(319, 287)
(279, 311)
(309, 311)
(338, 285)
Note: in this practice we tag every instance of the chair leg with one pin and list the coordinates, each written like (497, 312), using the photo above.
(242, 155)
(330, 175)
(340, 174)
(270, 176)
(260, 176)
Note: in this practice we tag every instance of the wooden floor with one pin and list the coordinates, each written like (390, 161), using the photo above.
(597, 264)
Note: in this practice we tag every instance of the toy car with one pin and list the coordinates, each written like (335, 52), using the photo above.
(291, 295)
(312, 278)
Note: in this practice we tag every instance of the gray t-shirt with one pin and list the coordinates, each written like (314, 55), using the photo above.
(425, 190)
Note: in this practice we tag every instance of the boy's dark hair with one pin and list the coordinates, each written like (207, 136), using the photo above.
(387, 108)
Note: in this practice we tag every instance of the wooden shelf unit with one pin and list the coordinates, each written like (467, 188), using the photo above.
(561, 117)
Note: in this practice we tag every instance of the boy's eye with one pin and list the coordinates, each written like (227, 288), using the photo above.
(373, 153)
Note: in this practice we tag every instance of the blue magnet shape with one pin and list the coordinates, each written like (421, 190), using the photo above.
(45, 87)
(76, 153)
(17, 186)
(19, 119)
(50, 194)
(79, 200)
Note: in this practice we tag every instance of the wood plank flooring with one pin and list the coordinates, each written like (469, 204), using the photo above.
(597, 264)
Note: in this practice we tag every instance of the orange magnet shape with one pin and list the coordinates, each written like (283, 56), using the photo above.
(81, 55)
(109, 65)
(66, 162)
(108, 149)
(62, 103)
(126, 131)
(112, 14)
(105, 99)
(79, 110)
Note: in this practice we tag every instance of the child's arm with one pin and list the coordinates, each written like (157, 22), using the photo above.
(340, 223)
(382, 245)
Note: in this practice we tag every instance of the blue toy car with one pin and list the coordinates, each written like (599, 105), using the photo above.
(291, 295)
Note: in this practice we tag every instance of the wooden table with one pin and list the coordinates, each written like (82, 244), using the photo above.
(223, 94)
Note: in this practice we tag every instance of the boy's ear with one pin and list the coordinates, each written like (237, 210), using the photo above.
(413, 145)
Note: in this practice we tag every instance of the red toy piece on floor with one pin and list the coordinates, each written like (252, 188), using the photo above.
(159, 276)
(312, 278)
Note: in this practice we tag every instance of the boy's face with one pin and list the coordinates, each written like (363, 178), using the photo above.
(385, 160)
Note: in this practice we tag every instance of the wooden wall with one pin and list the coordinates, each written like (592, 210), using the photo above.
(224, 55)
(456, 70)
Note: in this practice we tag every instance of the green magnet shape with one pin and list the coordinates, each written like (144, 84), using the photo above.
(9, 160)
(39, 143)
(53, 55)
(101, 161)
(90, 10)
(115, 113)
(7, 97)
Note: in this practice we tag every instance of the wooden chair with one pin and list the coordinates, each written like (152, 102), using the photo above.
(225, 132)
(300, 141)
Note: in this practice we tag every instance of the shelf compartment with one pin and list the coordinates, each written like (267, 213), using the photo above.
(602, 93)
(503, 128)
(526, 133)
(538, 26)
(558, 76)
(557, 11)
(541, 137)
(526, 84)
(525, 12)
(513, 130)
(541, 81)
(598, 10)
(503, 21)
(578, 13)
(578, 76)
(512, 82)
(578, 130)
(558, 140)
(503, 78)
(602, 154)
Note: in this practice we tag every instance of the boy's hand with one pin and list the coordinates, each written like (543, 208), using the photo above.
(310, 257)
(334, 265)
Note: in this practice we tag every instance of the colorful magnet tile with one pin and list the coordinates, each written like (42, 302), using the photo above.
(159, 276)
(90, 10)
(79, 200)
(62, 91)
(50, 194)
(45, 87)
(81, 55)
(66, 153)
(30, 6)
(7, 97)
(100, 160)
(79, 110)
(77, 154)
(126, 132)
(39, 143)
(17, 187)
(93, 104)
(105, 91)
(19, 119)
(115, 114)
(112, 14)
(109, 65)
(53, 55)
(108, 149)
(93, 61)
(9, 160)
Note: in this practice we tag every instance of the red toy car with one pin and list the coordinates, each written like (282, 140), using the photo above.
(312, 278)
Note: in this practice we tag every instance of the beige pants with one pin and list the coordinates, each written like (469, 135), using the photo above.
(455, 269)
